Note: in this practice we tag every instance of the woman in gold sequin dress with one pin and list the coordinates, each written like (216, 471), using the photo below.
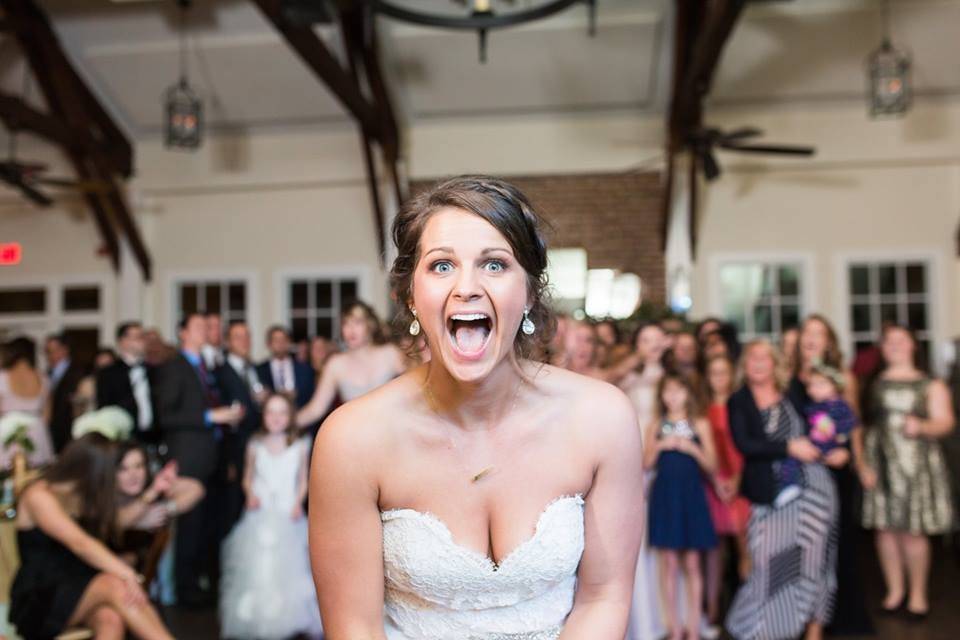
(903, 471)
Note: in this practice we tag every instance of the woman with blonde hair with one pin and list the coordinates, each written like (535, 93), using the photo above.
(789, 591)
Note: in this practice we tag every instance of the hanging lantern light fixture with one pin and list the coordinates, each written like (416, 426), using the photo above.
(888, 75)
(183, 108)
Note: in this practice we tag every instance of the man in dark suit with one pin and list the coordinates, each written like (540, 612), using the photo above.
(282, 372)
(127, 383)
(65, 376)
(192, 417)
(239, 383)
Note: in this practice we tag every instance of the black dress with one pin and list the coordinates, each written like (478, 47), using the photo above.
(48, 586)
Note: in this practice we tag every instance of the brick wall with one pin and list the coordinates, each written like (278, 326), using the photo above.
(616, 217)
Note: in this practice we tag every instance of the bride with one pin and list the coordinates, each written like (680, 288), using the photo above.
(480, 495)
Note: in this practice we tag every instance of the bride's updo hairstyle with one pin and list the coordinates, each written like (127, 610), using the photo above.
(503, 206)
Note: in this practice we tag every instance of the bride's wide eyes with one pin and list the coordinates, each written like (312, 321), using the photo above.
(441, 266)
(495, 266)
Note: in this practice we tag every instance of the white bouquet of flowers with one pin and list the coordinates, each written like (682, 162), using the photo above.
(111, 422)
(14, 430)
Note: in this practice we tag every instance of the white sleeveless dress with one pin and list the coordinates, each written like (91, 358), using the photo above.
(266, 589)
(436, 589)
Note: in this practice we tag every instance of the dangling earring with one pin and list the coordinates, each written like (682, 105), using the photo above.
(415, 325)
(527, 325)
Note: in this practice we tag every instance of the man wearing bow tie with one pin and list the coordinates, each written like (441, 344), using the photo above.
(127, 383)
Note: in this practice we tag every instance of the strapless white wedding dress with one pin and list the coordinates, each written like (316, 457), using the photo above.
(437, 589)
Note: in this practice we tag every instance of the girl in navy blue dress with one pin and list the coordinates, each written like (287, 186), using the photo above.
(680, 446)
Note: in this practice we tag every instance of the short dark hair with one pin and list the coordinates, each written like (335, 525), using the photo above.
(210, 314)
(61, 338)
(277, 327)
(185, 320)
(123, 327)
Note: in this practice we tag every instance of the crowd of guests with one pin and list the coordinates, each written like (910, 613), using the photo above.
(776, 457)
(763, 464)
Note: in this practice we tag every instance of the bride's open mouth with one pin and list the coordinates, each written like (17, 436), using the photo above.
(469, 334)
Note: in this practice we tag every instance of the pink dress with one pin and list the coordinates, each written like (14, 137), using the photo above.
(38, 432)
(729, 518)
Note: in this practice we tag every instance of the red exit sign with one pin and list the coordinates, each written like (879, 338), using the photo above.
(10, 253)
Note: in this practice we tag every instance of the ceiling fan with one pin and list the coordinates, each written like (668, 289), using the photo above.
(705, 141)
(28, 178)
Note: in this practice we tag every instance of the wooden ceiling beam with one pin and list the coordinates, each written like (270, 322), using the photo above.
(70, 100)
(17, 115)
(325, 65)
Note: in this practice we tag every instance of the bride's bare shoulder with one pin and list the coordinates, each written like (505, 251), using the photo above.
(371, 422)
(593, 405)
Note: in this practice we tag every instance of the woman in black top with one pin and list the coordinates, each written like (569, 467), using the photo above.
(790, 588)
(67, 576)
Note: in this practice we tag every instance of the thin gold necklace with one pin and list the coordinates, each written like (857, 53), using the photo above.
(433, 405)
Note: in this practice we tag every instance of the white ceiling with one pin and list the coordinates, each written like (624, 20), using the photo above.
(784, 51)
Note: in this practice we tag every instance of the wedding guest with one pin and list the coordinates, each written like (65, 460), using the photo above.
(127, 383)
(24, 390)
(64, 376)
(192, 418)
(907, 495)
(283, 373)
(68, 576)
(212, 349)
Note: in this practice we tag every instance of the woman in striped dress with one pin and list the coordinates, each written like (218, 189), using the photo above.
(792, 582)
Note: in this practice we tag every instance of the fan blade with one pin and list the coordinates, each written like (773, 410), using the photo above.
(32, 194)
(711, 168)
(741, 134)
(771, 149)
(87, 186)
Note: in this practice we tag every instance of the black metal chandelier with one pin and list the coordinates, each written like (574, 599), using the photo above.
(479, 15)
(183, 108)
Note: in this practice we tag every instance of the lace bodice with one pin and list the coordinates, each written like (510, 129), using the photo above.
(437, 589)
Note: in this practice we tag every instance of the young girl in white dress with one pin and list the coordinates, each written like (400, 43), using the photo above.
(266, 590)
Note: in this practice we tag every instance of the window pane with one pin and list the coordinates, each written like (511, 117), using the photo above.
(81, 298)
(300, 329)
(888, 313)
(348, 291)
(767, 284)
(917, 316)
(762, 319)
(188, 299)
(324, 327)
(298, 295)
(888, 278)
(238, 296)
(789, 316)
(861, 318)
(212, 298)
(324, 294)
(859, 280)
(789, 281)
(23, 300)
(916, 278)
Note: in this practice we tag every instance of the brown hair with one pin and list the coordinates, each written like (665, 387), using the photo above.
(370, 317)
(89, 466)
(693, 404)
(708, 392)
(127, 446)
(832, 356)
(292, 432)
(508, 210)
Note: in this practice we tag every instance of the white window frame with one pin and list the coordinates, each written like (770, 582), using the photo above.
(54, 319)
(842, 303)
(250, 279)
(805, 262)
(283, 277)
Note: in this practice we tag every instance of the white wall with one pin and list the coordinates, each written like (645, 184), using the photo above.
(886, 188)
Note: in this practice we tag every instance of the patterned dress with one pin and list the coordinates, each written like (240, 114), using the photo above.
(913, 482)
(794, 551)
